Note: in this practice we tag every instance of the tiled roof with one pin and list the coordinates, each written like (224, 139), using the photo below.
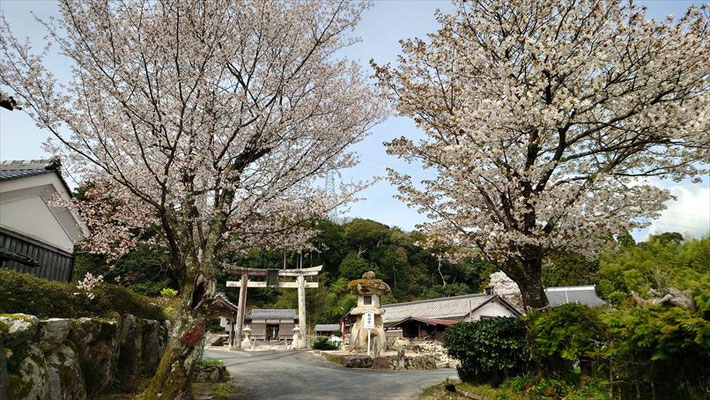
(13, 169)
(221, 304)
(558, 296)
(429, 321)
(442, 308)
(272, 314)
(327, 327)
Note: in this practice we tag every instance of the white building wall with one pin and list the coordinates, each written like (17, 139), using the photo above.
(31, 217)
(24, 210)
(491, 309)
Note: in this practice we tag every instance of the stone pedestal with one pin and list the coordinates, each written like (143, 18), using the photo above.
(368, 290)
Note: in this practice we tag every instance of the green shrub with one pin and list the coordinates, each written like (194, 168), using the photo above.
(25, 293)
(489, 350)
(322, 343)
(122, 300)
(518, 383)
(595, 388)
(550, 388)
(167, 292)
(563, 338)
(658, 351)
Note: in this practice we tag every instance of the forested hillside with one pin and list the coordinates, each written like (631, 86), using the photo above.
(348, 249)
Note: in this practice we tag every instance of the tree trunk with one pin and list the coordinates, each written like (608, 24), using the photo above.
(443, 281)
(173, 378)
(530, 284)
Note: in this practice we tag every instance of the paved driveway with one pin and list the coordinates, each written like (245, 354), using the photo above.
(288, 374)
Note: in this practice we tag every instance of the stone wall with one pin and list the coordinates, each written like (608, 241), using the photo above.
(398, 361)
(80, 358)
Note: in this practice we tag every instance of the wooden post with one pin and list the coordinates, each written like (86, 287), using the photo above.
(241, 306)
(302, 310)
(230, 321)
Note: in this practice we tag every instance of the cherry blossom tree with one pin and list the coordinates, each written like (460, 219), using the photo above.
(545, 120)
(211, 120)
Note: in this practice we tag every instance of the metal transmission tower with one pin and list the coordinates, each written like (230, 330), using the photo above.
(330, 191)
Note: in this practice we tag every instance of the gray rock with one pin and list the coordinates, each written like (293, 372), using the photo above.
(357, 361)
(422, 362)
(168, 326)
(52, 332)
(128, 325)
(211, 373)
(64, 376)
(30, 379)
(401, 343)
(164, 337)
(382, 363)
(96, 342)
(151, 346)
(130, 360)
(18, 328)
(78, 358)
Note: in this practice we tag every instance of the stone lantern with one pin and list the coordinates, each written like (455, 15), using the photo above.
(296, 337)
(246, 342)
(368, 290)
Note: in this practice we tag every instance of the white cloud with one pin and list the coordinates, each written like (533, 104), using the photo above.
(688, 214)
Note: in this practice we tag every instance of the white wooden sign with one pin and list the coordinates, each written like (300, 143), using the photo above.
(368, 320)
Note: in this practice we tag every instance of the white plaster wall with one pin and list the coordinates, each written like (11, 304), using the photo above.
(491, 309)
(31, 217)
(24, 210)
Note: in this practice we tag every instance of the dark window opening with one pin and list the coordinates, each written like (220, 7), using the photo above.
(367, 300)
(272, 332)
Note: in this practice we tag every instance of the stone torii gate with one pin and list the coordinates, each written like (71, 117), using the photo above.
(273, 280)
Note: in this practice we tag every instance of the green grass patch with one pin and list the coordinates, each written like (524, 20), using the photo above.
(511, 390)
(206, 363)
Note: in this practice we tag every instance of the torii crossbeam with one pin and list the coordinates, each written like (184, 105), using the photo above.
(273, 280)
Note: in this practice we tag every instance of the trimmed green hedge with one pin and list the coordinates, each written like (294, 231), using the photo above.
(25, 293)
(489, 350)
(322, 343)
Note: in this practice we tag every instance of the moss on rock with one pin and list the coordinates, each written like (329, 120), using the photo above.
(29, 381)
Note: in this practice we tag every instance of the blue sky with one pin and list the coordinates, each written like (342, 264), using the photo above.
(381, 29)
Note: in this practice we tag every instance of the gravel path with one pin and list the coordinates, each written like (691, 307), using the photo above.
(289, 374)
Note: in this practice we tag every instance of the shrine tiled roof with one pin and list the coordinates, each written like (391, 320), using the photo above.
(327, 327)
(260, 313)
(13, 169)
(573, 294)
(442, 308)
(17, 169)
(428, 321)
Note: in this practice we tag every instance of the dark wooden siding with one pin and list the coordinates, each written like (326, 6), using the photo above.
(54, 264)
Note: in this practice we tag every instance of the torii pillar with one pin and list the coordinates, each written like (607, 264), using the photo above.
(241, 307)
(300, 284)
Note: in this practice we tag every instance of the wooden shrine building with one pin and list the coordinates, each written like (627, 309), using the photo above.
(272, 324)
